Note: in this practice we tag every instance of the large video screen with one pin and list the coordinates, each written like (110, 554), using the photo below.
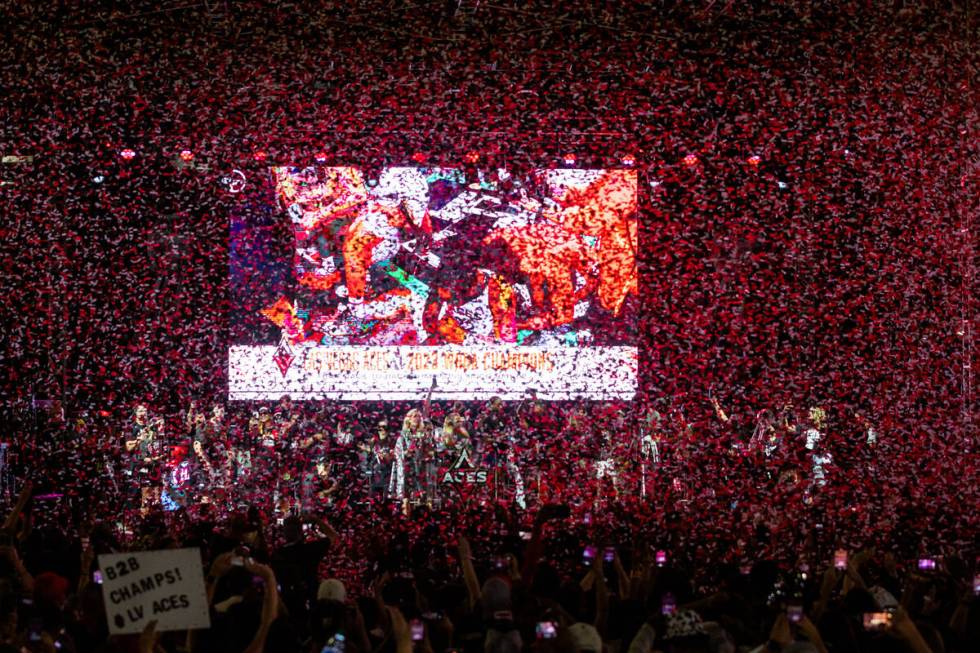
(350, 285)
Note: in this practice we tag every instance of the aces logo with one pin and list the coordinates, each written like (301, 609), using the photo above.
(463, 471)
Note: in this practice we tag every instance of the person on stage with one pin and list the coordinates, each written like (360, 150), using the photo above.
(378, 456)
(218, 447)
(316, 484)
(455, 435)
(410, 453)
(498, 441)
(651, 435)
(146, 449)
(199, 462)
(819, 456)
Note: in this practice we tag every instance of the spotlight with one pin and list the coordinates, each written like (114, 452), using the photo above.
(127, 154)
(320, 157)
(98, 179)
(472, 156)
(259, 155)
(691, 160)
(569, 159)
(782, 185)
(755, 160)
(629, 160)
(186, 156)
(418, 157)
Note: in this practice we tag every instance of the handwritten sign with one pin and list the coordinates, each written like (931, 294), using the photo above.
(166, 586)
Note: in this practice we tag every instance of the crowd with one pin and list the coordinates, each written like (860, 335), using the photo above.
(806, 265)
(634, 530)
(481, 576)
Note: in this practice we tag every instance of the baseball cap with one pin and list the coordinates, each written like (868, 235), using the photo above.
(683, 624)
(331, 590)
(586, 637)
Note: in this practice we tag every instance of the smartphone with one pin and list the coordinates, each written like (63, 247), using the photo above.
(97, 577)
(661, 558)
(840, 560)
(500, 563)
(877, 620)
(667, 604)
(587, 518)
(794, 613)
(976, 585)
(418, 630)
(927, 564)
(588, 554)
(546, 630)
(609, 554)
(335, 644)
(34, 632)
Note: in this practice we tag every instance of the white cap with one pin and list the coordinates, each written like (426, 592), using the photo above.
(331, 590)
(586, 637)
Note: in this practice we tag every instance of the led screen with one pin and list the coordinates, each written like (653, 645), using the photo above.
(347, 285)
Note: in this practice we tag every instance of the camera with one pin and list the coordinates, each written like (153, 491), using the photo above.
(927, 564)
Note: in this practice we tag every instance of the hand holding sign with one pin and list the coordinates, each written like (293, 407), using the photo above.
(162, 586)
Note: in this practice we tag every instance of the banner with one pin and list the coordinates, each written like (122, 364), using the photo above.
(166, 586)
(397, 373)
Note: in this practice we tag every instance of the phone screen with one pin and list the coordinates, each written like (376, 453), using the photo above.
(794, 613)
(840, 560)
(546, 630)
(609, 554)
(877, 620)
(588, 554)
(97, 577)
(34, 632)
(418, 630)
(927, 564)
(661, 558)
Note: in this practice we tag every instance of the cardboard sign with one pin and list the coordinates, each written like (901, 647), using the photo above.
(166, 585)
